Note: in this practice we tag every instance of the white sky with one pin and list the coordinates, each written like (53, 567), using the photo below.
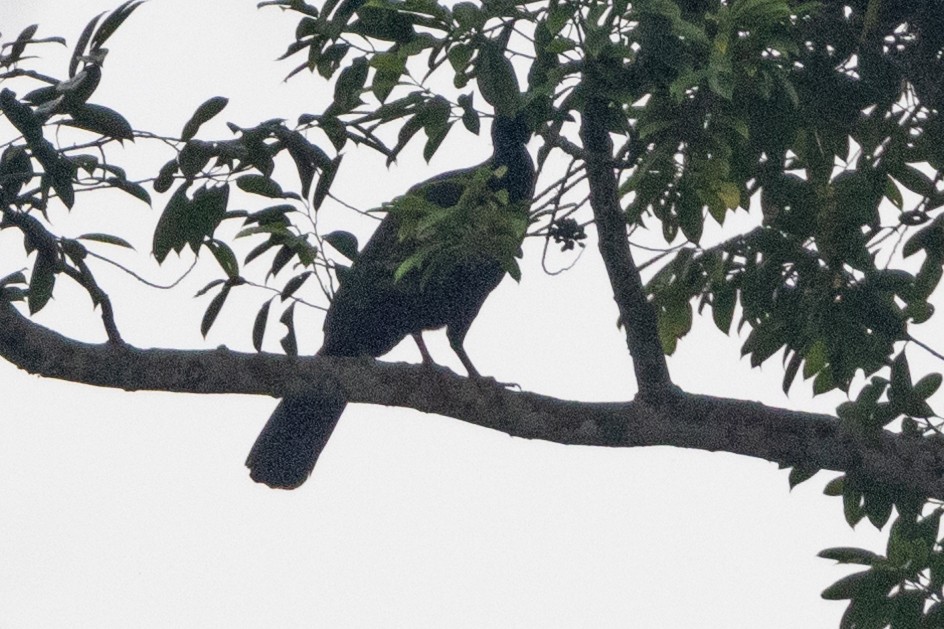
(135, 510)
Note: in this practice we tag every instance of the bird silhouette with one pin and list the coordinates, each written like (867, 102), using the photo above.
(373, 309)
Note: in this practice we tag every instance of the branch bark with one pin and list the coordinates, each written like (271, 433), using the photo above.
(688, 421)
(636, 313)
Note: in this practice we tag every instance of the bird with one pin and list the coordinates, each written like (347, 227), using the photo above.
(373, 310)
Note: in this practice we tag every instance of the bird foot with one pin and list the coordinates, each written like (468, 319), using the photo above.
(492, 382)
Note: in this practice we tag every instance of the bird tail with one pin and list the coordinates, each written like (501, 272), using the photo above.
(286, 450)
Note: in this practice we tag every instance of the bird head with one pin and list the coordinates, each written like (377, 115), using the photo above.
(510, 131)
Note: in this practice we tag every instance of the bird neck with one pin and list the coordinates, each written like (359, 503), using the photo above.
(519, 175)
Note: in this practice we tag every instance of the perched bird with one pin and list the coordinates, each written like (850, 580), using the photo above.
(373, 310)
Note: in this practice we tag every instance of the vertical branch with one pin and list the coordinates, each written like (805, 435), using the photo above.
(636, 313)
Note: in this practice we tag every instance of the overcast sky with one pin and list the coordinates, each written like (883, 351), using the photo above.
(134, 509)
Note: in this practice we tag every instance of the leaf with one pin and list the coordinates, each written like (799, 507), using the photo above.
(325, 181)
(282, 257)
(207, 110)
(101, 120)
(207, 210)
(19, 44)
(203, 291)
(307, 156)
(289, 342)
(800, 475)
(294, 284)
(259, 325)
(469, 16)
(170, 234)
(261, 185)
(345, 243)
(350, 83)
(213, 310)
(674, 322)
(470, 117)
(927, 386)
(224, 256)
(82, 43)
(846, 554)
(41, 283)
(722, 306)
(194, 157)
(134, 189)
(335, 130)
(274, 214)
(789, 374)
(16, 277)
(165, 178)
(912, 178)
(107, 239)
(112, 22)
(835, 487)
(497, 80)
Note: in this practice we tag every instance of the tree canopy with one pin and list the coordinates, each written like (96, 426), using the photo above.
(664, 127)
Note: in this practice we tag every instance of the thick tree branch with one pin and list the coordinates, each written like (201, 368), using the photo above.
(636, 313)
(689, 421)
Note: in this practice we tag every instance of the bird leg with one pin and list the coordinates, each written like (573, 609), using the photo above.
(466, 361)
(421, 344)
(455, 342)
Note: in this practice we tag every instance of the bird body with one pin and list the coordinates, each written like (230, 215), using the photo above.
(374, 309)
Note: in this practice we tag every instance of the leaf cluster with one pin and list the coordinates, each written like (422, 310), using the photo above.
(481, 225)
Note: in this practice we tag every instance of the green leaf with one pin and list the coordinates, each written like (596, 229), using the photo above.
(470, 117)
(845, 554)
(459, 57)
(213, 310)
(16, 277)
(324, 182)
(224, 256)
(468, 16)
(350, 83)
(272, 215)
(294, 284)
(729, 193)
(345, 243)
(194, 157)
(134, 189)
(107, 239)
(203, 291)
(112, 22)
(800, 475)
(927, 386)
(836, 486)
(261, 185)
(165, 178)
(497, 80)
(207, 110)
(289, 342)
(101, 120)
(383, 23)
(307, 156)
(207, 210)
(722, 306)
(852, 505)
(41, 283)
(901, 378)
(675, 321)
(170, 232)
(282, 257)
(912, 178)
(259, 325)
(81, 43)
(846, 587)
(893, 194)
